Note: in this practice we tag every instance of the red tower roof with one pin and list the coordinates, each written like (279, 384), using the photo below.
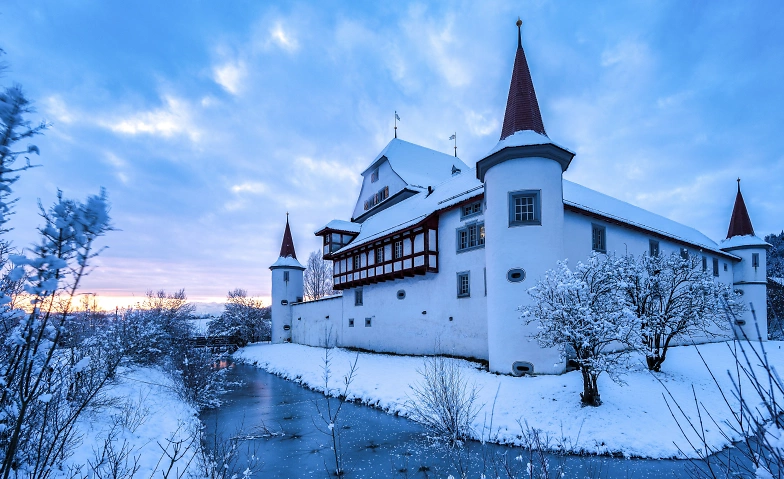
(522, 109)
(740, 224)
(287, 247)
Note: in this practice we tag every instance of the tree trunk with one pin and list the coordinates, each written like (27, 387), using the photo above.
(590, 394)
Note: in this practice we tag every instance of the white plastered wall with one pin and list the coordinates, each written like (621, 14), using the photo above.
(289, 291)
(534, 248)
(386, 177)
(621, 240)
(318, 323)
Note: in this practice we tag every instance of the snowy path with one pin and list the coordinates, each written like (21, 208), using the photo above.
(633, 420)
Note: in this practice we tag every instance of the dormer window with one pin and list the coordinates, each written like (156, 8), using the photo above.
(470, 209)
(374, 176)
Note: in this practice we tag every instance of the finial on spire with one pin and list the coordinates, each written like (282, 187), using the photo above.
(738, 184)
(519, 33)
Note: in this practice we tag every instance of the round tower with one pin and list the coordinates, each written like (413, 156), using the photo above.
(524, 220)
(749, 274)
(287, 287)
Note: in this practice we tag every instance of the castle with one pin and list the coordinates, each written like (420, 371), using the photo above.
(438, 256)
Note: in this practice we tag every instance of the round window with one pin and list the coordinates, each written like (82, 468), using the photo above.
(515, 275)
(401, 294)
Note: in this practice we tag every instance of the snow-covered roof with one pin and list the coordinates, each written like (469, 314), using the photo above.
(743, 241)
(287, 262)
(413, 210)
(417, 165)
(524, 138)
(464, 186)
(341, 225)
(586, 199)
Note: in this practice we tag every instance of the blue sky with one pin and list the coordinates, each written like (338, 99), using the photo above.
(206, 121)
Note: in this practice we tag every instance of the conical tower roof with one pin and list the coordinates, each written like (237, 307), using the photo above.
(522, 109)
(287, 247)
(740, 223)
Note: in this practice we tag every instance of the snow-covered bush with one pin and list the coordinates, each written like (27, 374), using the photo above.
(245, 319)
(674, 298)
(44, 388)
(159, 331)
(582, 314)
(444, 401)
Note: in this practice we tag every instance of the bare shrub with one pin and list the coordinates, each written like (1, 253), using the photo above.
(444, 401)
(756, 416)
(329, 418)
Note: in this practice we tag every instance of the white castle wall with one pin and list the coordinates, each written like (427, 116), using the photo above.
(318, 323)
(290, 291)
(622, 240)
(535, 248)
(399, 325)
(753, 282)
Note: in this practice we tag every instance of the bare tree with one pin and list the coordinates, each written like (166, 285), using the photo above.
(243, 319)
(318, 277)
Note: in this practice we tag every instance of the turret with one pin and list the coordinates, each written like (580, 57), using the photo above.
(287, 287)
(749, 275)
(523, 177)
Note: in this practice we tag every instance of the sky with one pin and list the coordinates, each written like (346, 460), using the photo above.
(208, 121)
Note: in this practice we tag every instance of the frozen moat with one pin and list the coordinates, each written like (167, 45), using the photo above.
(376, 444)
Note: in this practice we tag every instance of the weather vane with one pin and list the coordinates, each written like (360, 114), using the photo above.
(454, 137)
(397, 119)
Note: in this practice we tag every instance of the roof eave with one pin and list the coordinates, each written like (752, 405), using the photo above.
(547, 150)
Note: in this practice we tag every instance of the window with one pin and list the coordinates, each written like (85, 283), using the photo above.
(755, 260)
(725, 266)
(599, 238)
(463, 285)
(286, 276)
(350, 322)
(715, 266)
(471, 210)
(357, 262)
(471, 236)
(398, 253)
(653, 248)
(374, 176)
(358, 297)
(379, 255)
(484, 271)
(368, 322)
(401, 294)
(704, 263)
(515, 275)
(684, 253)
(524, 208)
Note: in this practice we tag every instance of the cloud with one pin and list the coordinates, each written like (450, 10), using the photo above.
(283, 38)
(253, 187)
(480, 124)
(625, 53)
(56, 107)
(230, 76)
(175, 118)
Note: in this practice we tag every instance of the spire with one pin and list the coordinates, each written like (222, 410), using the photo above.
(287, 247)
(740, 224)
(522, 109)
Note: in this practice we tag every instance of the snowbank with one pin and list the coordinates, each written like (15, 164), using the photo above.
(633, 420)
(148, 416)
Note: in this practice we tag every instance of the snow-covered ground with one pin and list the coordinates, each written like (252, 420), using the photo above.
(633, 420)
(147, 420)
